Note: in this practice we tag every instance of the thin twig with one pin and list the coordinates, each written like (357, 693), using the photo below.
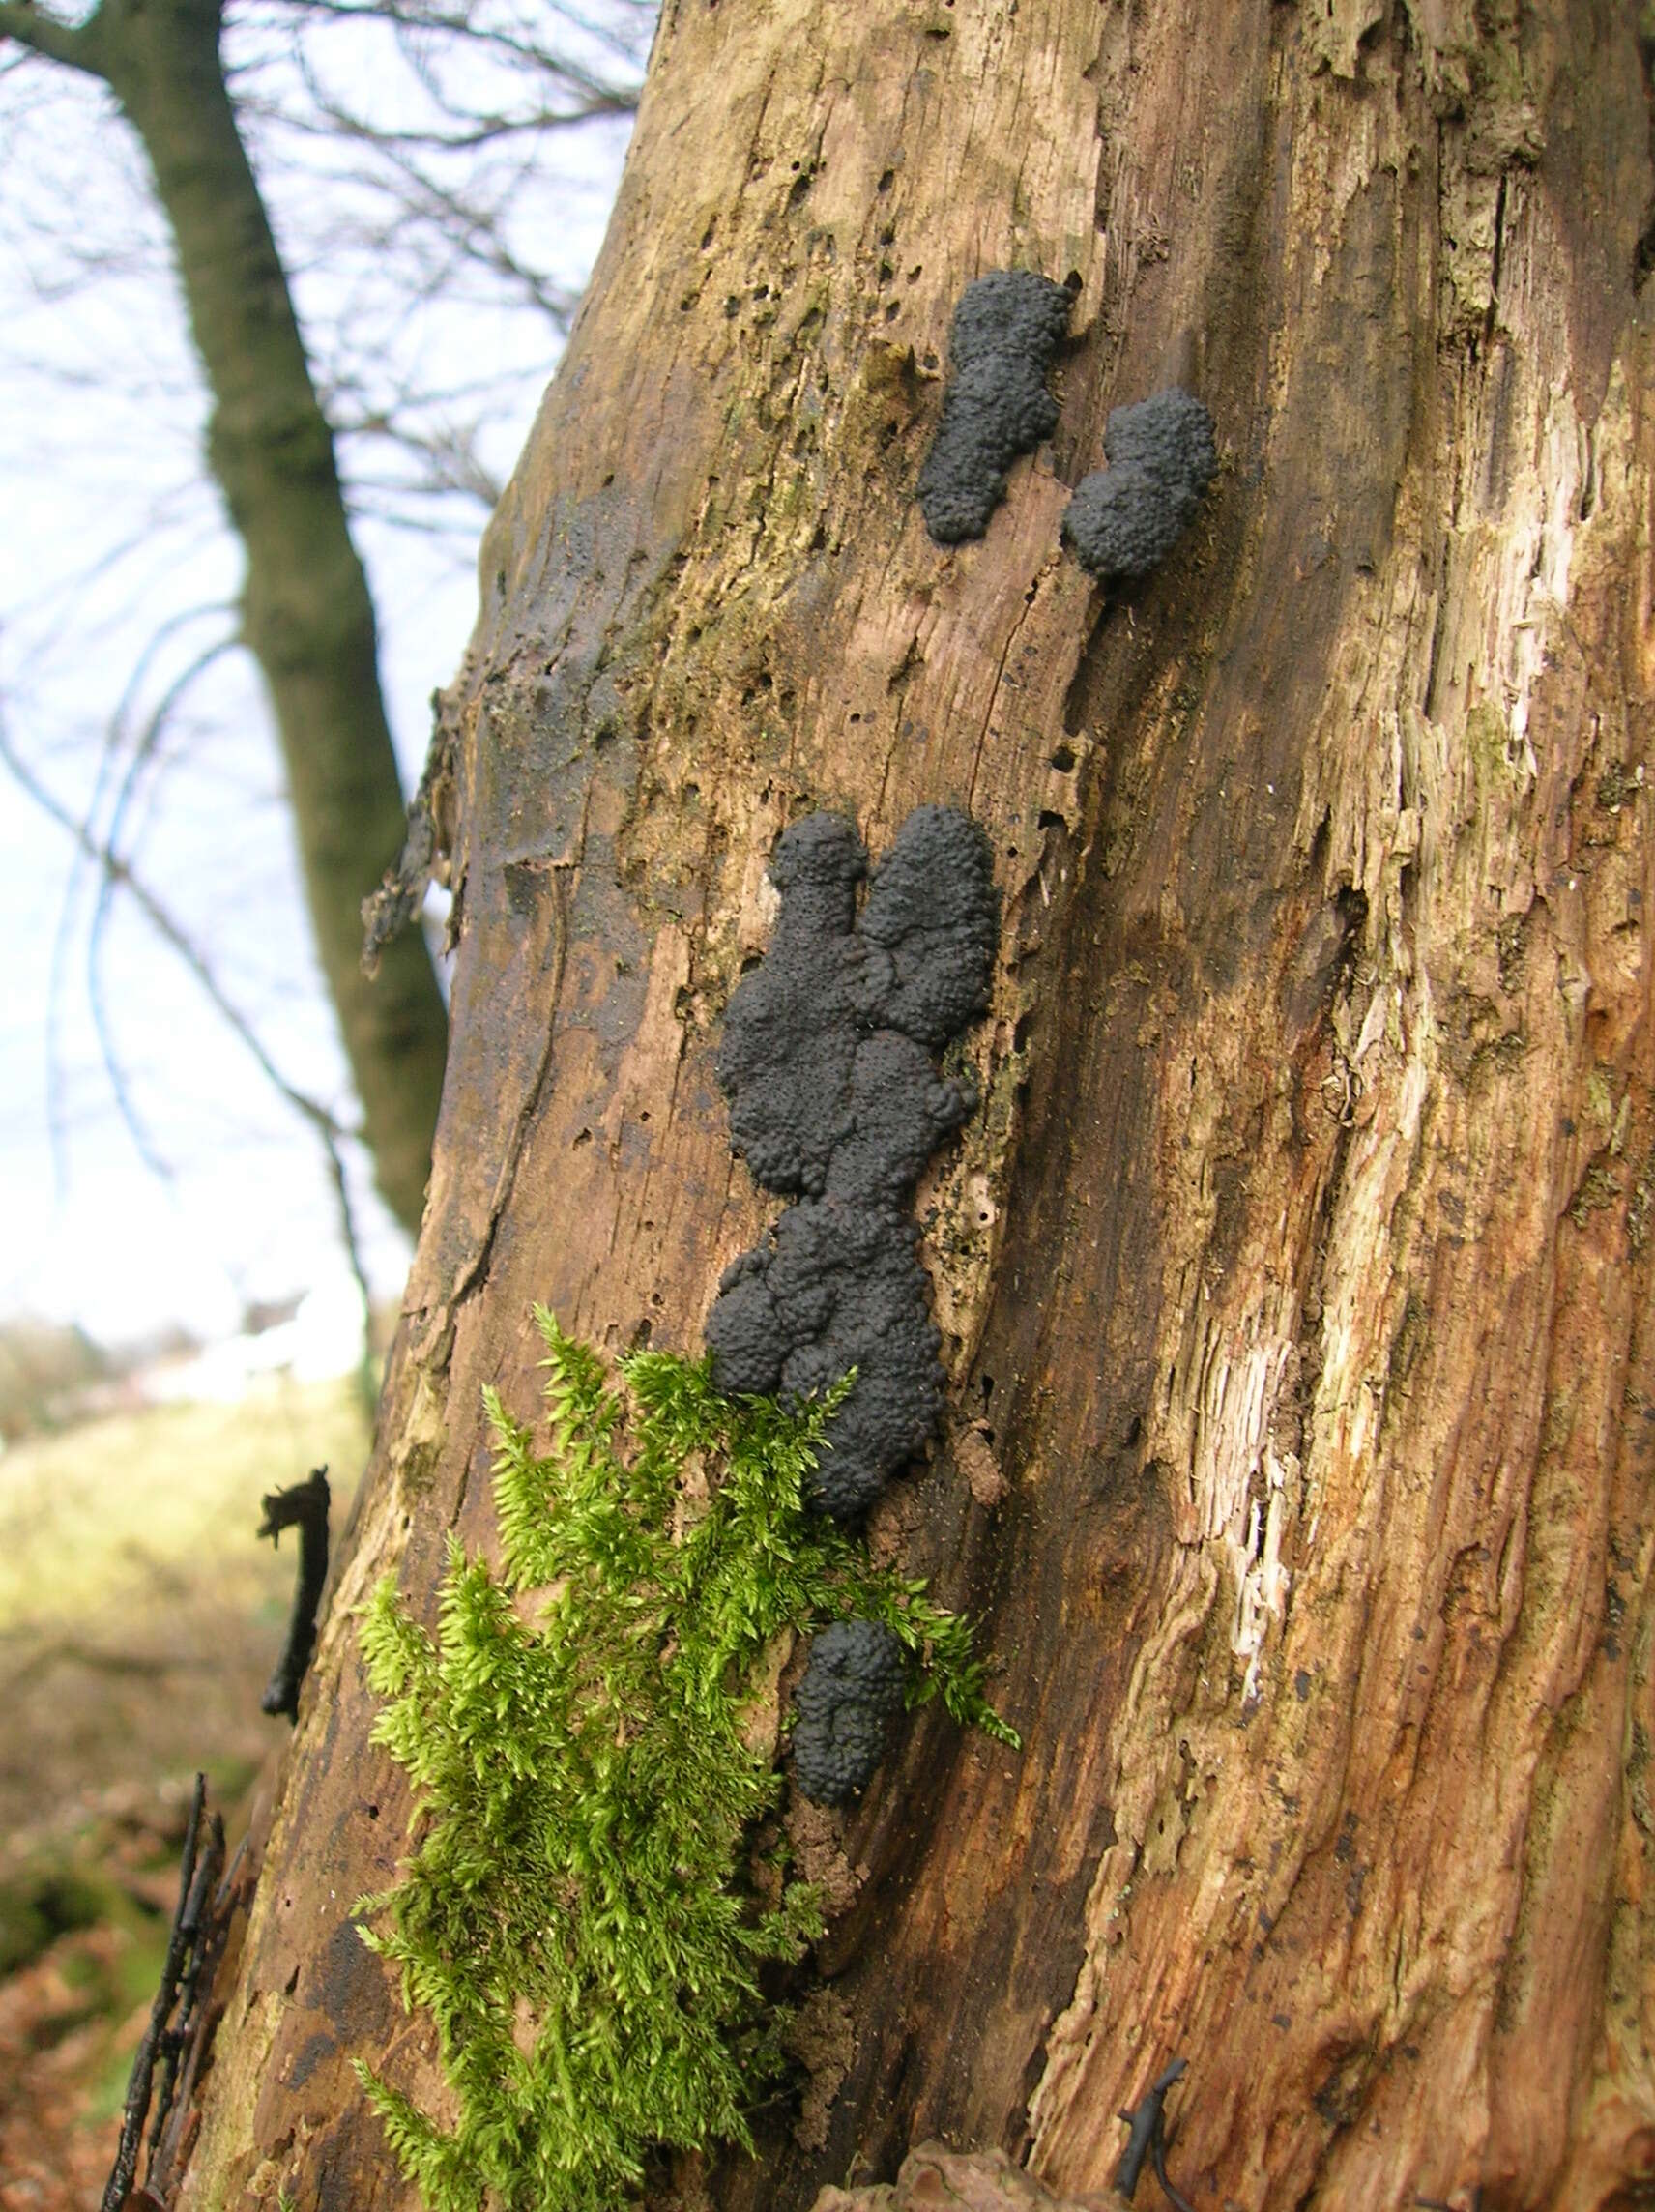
(164, 924)
(173, 2131)
(149, 737)
(112, 742)
(1147, 2143)
(1158, 2160)
(176, 2033)
(329, 1130)
(195, 1873)
(303, 1505)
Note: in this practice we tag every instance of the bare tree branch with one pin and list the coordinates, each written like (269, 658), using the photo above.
(175, 937)
(320, 1116)
(460, 23)
(149, 737)
(47, 36)
(84, 852)
(331, 1132)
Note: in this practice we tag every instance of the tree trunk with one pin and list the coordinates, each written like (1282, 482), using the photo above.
(1295, 1273)
(307, 615)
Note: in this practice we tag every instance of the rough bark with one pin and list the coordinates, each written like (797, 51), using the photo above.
(1297, 1271)
(305, 611)
(935, 2179)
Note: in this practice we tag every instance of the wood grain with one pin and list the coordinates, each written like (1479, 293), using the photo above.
(1296, 1274)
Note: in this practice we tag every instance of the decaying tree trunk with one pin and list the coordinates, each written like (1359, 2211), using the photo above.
(1296, 1274)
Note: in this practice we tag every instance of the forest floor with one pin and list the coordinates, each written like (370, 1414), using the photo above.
(140, 1621)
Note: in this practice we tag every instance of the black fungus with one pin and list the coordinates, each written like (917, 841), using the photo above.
(836, 1286)
(1125, 519)
(851, 1692)
(1006, 331)
(836, 1099)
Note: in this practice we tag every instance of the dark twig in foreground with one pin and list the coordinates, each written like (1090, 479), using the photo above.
(1158, 2160)
(1148, 2139)
(172, 2016)
(303, 1505)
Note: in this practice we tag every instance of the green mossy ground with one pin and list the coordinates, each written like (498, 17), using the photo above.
(139, 1618)
(586, 1914)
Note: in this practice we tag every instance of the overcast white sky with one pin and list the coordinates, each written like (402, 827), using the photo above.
(111, 535)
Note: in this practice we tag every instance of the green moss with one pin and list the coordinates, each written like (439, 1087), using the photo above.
(1639, 1205)
(585, 1916)
(40, 1903)
(1488, 733)
(1598, 1190)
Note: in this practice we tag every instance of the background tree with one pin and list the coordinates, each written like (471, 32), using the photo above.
(1296, 1272)
(416, 121)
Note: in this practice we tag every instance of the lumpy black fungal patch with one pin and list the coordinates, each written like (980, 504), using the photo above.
(1125, 520)
(849, 1694)
(1006, 333)
(832, 1287)
(836, 1099)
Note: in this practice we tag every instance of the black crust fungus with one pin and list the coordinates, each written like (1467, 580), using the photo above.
(851, 1692)
(835, 1100)
(1125, 519)
(1006, 333)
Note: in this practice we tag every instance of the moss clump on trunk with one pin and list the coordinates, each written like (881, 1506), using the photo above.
(583, 1915)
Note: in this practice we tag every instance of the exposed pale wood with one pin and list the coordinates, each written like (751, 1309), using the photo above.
(1297, 1271)
(934, 2178)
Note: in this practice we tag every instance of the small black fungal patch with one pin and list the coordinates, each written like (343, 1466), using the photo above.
(836, 1099)
(1006, 333)
(851, 1692)
(1125, 519)
(303, 1505)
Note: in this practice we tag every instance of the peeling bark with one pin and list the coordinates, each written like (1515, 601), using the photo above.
(1295, 1275)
